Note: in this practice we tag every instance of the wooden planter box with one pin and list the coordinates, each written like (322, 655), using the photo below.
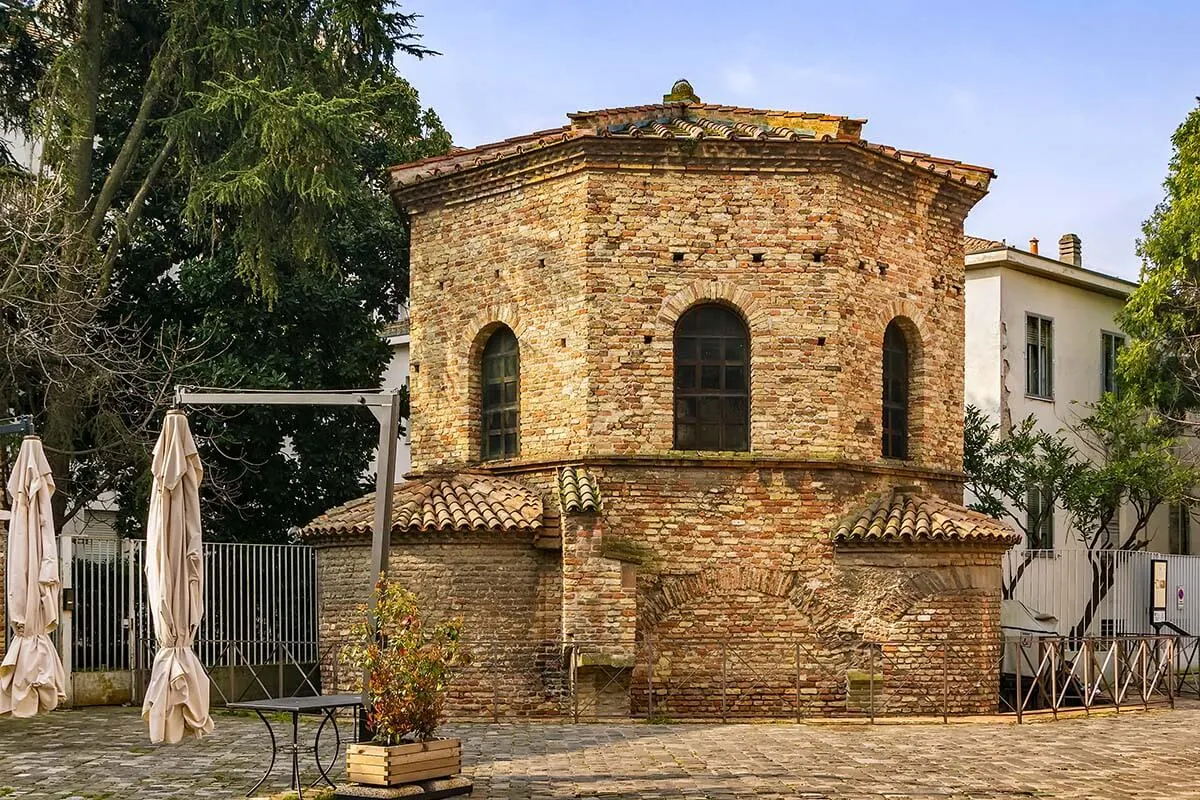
(381, 765)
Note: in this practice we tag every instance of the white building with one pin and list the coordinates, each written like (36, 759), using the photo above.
(395, 376)
(1041, 339)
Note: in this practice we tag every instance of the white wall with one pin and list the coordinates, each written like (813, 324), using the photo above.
(395, 375)
(997, 300)
(983, 345)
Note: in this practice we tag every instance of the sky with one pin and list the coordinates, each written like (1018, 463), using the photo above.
(1072, 103)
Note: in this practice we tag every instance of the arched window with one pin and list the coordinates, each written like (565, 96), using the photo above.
(501, 368)
(712, 380)
(895, 392)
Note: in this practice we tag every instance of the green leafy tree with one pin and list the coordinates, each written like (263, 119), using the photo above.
(1162, 362)
(208, 153)
(1134, 459)
(1001, 467)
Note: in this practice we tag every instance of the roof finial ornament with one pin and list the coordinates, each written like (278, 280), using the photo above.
(681, 92)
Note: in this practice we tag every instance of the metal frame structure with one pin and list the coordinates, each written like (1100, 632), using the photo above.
(17, 425)
(384, 405)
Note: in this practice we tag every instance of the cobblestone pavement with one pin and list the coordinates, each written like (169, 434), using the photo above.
(104, 753)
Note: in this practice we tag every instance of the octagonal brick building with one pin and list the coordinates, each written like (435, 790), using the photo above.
(700, 370)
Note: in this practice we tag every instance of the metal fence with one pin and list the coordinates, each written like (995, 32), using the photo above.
(1116, 583)
(260, 610)
(731, 679)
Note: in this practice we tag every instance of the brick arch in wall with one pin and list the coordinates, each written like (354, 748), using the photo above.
(863, 601)
(676, 592)
(870, 601)
(485, 322)
(714, 291)
(912, 321)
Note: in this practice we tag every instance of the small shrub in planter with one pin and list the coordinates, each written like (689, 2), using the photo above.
(408, 665)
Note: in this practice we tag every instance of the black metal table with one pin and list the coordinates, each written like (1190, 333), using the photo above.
(326, 705)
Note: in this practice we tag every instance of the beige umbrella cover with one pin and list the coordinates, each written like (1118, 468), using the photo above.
(176, 702)
(32, 680)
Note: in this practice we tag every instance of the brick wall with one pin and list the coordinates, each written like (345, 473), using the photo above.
(590, 251)
(582, 264)
(506, 591)
(816, 327)
(511, 258)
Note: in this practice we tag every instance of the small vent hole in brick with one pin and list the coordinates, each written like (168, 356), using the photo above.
(497, 273)
(821, 341)
(441, 285)
(677, 256)
(541, 262)
(882, 269)
(757, 258)
(647, 339)
(818, 256)
(562, 342)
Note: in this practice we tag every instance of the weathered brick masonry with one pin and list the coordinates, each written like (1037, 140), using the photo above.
(810, 554)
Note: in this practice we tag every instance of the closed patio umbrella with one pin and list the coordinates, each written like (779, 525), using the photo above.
(176, 702)
(32, 680)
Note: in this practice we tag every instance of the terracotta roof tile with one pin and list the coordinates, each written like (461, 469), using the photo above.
(904, 516)
(578, 491)
(689, 121)
(459, 502)
(976, 244)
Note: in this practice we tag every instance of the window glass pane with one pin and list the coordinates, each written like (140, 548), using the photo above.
(736, 437)
(735, 378)
(685, 407)
(894, 418)
(499, 412)
(710, 409)
(711, 379)
(685, 436)
(709, 437)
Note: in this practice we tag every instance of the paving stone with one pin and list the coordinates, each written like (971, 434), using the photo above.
(104, 754)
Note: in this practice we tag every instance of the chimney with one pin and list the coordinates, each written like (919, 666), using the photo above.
(1033, 245)
(1070, 249)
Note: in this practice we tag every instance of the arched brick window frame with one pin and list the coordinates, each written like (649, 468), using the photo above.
(901, 339)
(711, 360)
(470, 365)
(895, 392)
(500, 396)
(753, 315)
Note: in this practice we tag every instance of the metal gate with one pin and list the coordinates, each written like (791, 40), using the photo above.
(258, 636)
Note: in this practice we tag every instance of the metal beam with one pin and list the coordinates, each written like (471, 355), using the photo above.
(267, 397)
(19, 425)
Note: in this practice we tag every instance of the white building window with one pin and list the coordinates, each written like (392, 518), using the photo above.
(1110, 345)
(1039, 357)
(1179, 529)
(1039, 519)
